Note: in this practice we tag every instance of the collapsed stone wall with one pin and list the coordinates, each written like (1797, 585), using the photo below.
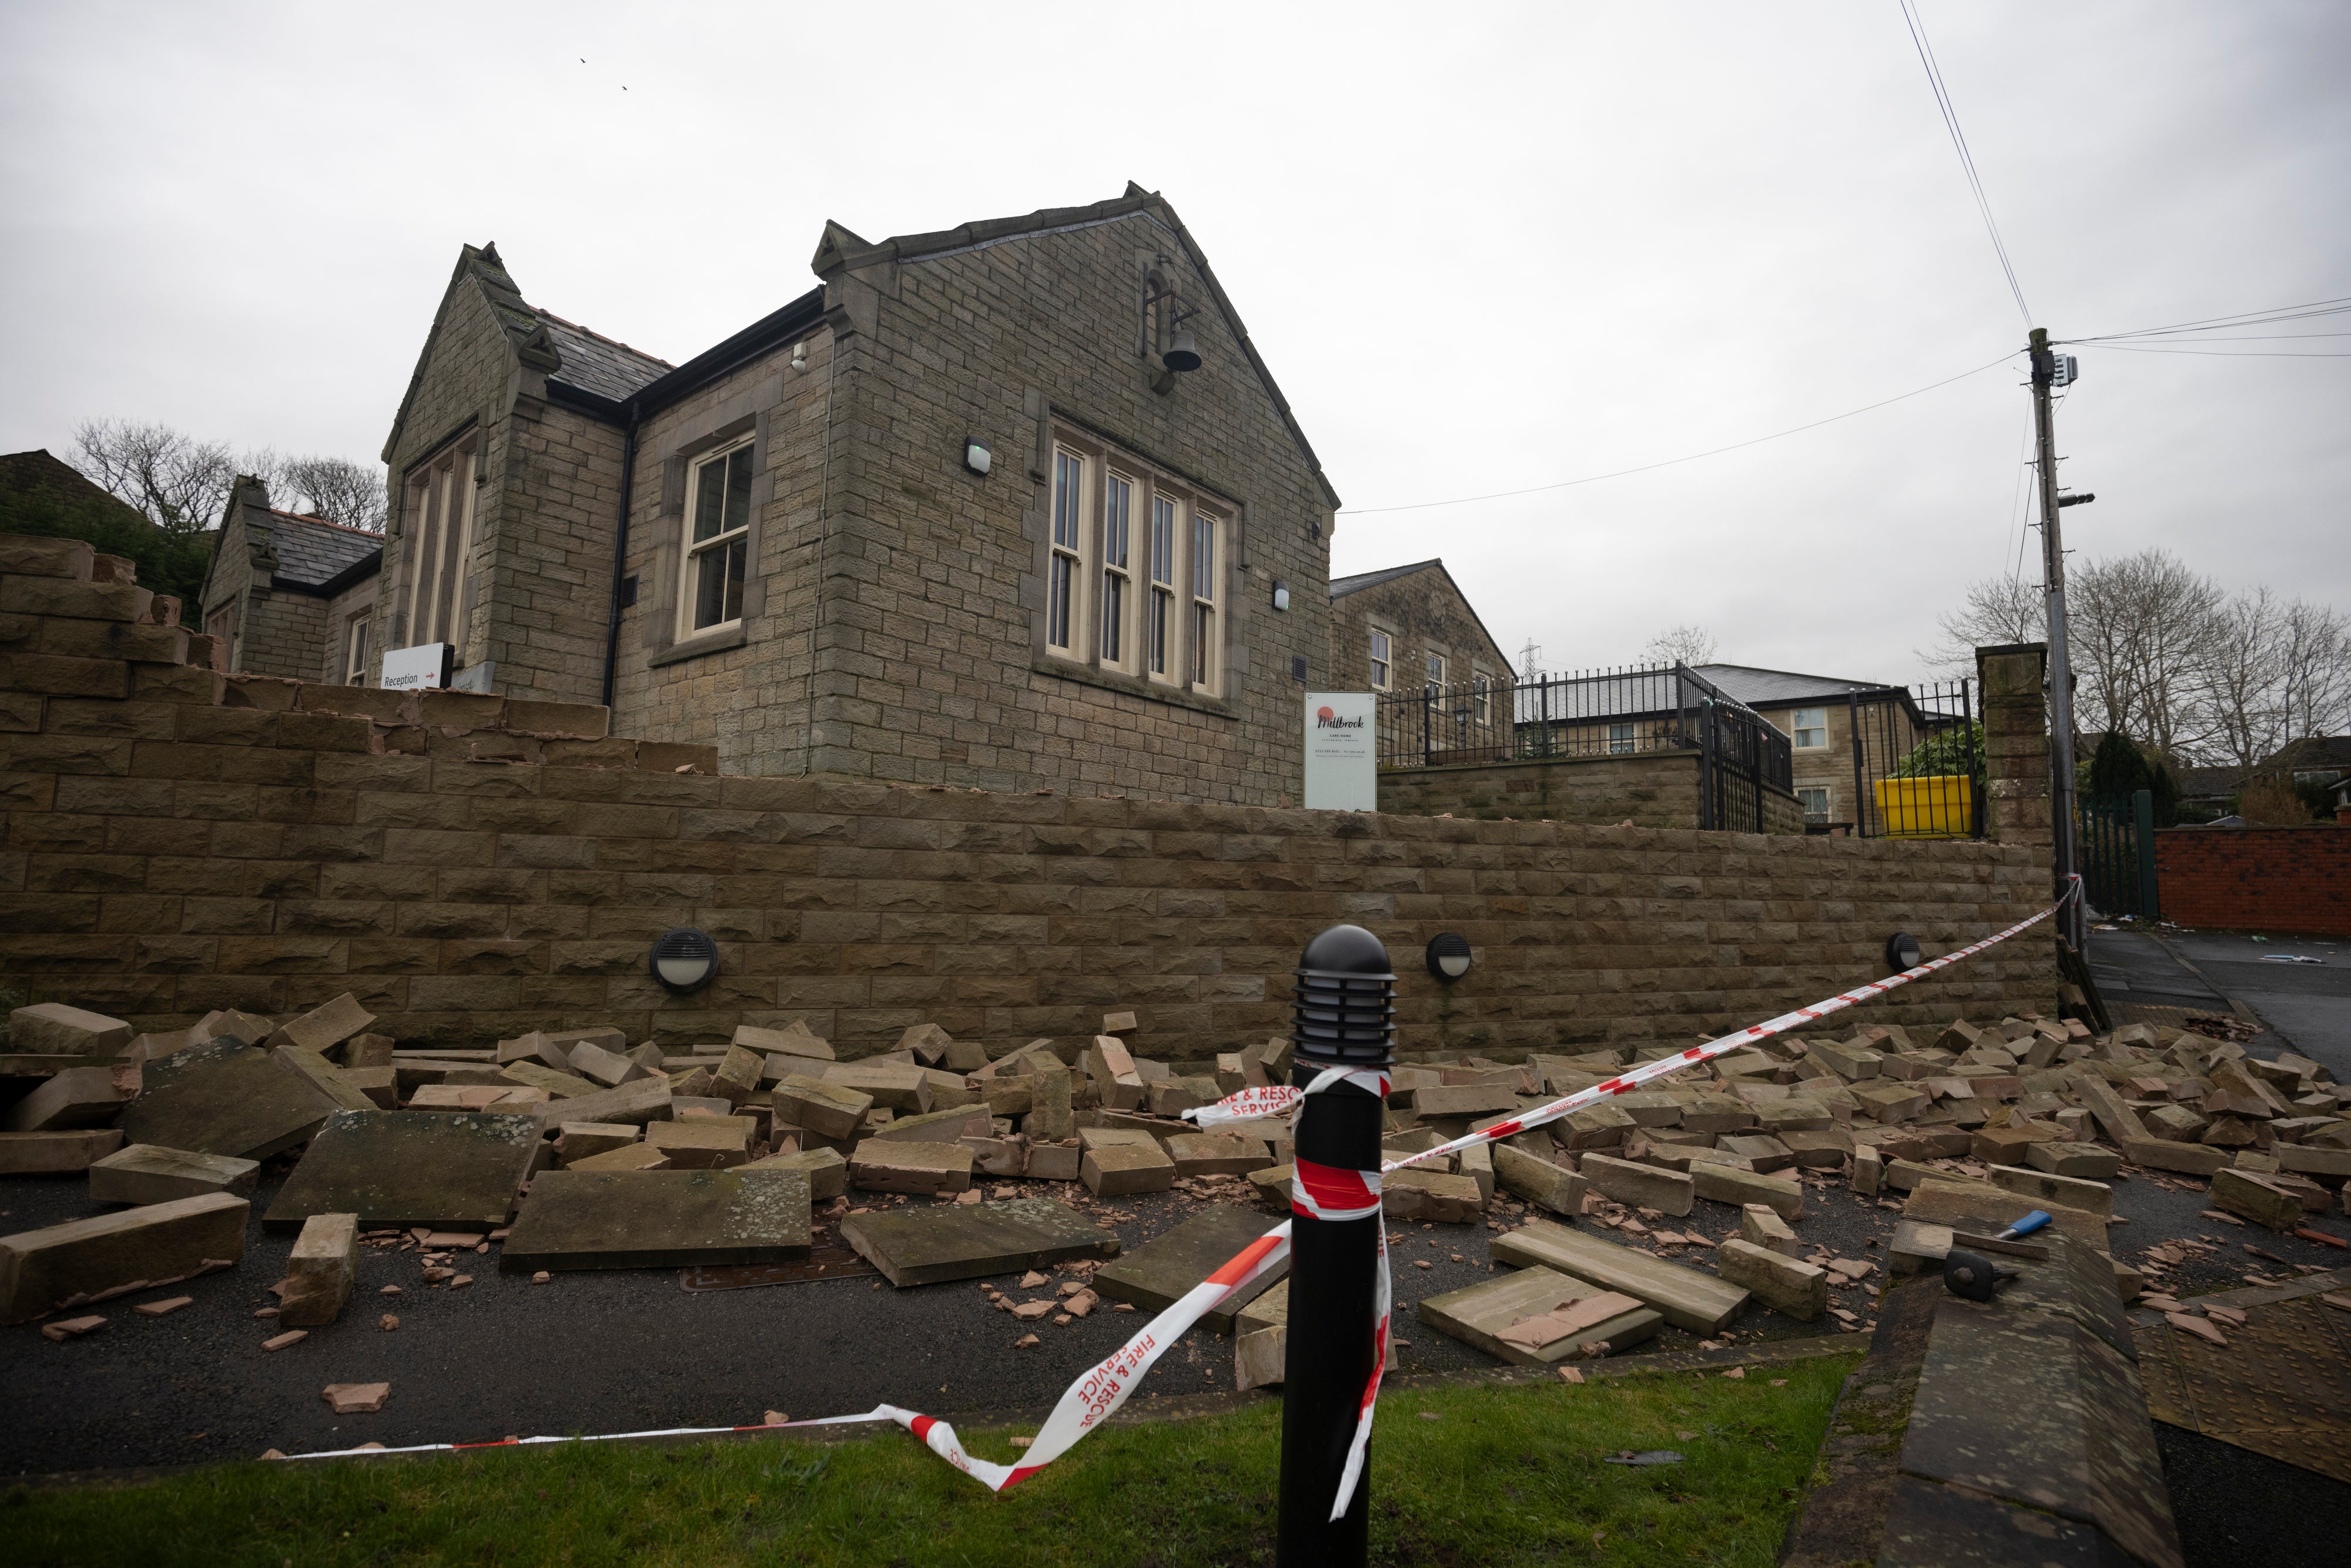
(470, 867)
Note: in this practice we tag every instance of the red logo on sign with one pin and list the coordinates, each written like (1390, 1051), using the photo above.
(1324, 712)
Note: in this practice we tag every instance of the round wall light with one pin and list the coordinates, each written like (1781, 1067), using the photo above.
(1901, 951)
(684, 959)
(1448, 956)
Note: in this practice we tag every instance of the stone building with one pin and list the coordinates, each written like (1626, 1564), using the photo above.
(1816, 713)
(291, 594)
(1405, 628)
(1015, 505)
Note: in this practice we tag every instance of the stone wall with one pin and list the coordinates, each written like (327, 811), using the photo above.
(1423, 612)
(472, 866)
(2256, 879)
(1648, 789)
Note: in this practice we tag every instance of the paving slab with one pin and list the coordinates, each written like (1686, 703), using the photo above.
(145, 1173)
(1480, 1314)
(1160, 1271)
(703, 1143)
(649, 1219)
(929, 1246)
(440, 1168)
(1690, 1300)
(224, 1097)
(64, 1265)
(827, 1171)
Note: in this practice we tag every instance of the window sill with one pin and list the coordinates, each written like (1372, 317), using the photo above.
(693, 647)
(1133, 685)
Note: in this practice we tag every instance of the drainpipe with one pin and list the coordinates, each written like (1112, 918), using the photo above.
(619, 554)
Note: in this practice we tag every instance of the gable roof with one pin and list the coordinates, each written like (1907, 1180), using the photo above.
(1342, 586)
(313, 552)
(1781, 688)
(594, 363)
(840, 249)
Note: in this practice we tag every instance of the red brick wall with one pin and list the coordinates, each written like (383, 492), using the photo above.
(2256, 879)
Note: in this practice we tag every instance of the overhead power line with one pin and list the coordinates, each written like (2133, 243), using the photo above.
(1692, 457)
(1917, 26)
(2237, 322)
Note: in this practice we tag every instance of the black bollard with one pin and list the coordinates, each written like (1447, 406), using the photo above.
(1344, 1016)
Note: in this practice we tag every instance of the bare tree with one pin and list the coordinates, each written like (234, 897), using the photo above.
(2245, 720)
(1682, 645)
(1999, 611)
(337, 489)
(178, 482)
(2140, 629)
(2315, 670)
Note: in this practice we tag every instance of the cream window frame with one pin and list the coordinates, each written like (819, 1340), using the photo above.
(1383, 654)
(1066, 566)
(1827, 812)
(1798, 728)
(355, 649)
(1163, 630)
(1204, 570)
(1481, 692)
(1437, 667)
(692, 551)
(440, 534)
(1122, 620)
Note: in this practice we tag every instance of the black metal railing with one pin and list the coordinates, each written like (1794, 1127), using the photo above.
(1626, 712)
(1913, 760)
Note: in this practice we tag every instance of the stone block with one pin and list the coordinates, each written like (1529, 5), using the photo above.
(2246, 1193)
(324, 1076)
(1116, 1170)
(1643, 1187)
(1868, 1170)
(738, 1075)
(2046, 1187)
(224, 1097)
(1054, 1162)
(933, 1245)
(601, 1067)
(1852, 1061)
(76, 1098)
(882, 1167)
(834, 1110)
(64, 1265)
(1209, 1154)
(1471, 1100)
(1540, 1182)
(1601, 1126)
(1162, 1270)
(320, 1270)
(1414, 1193)
(1890, 1102)
(703, 1143)
(659, 1218)
(1540, 1317)
(142, 1174)
(2006, 1145)
(324, 1027)
(902, 1089)
(1762, 1151)
(1272, 1185)
(52, 1029)
(1819, 1151)
(1759, 1225)
(1785, 1284)
(826, 1169)
(55, 1153)
(795, 1040)
(637, 1156)
(1686, 1298)
(579, 1140)
(444, 1169)
(1720, 1184)
(1477, 1163)
(936, 1126)
(646, 1100)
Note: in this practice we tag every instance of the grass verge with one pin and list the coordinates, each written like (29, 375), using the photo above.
(1477, 1475)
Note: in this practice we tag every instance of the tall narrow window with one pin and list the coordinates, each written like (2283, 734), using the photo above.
(718, 542)
(355, 651)
(1435, 671)
(439, 544)
(1481, 686)
(1383, 659)
(1068, 511)
(1162, 582)
(1117, 502)
(1204, 599)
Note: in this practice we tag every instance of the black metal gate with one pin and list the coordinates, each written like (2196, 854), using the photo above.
(2117, 845)
(1917, 762)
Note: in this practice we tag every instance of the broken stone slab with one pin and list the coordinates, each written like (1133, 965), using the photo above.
(324, 1027)
(55, 1153)
(737, 1077)
(1723, 1185)
(232, 1023)
(2092, 1197)
(646, 1100)
(1211, 1153)
(827, 1171)
(1272, 1185)
(703, 1143)
(1982, 1209)
(1868, 1170)
(143, 1173)
(379, 1084)
(1643, 1187)
(834, 1110)
(320, 1270)
(794, 1040)
(1762, 1152)
(439, 1169)
(602, 1067)
(76, 1098)
(504, 1097)
(1851, 1060)
(2085, 1162)
(1477, 1163)
(1761, 1226)
(1600, 1126)
(950, 1241)
(357, 1398)
(1540, 1182)
(902, 1089)
(1262, 1339)
(1162, 1269)
(538, 1075)
(323, 1075)
(224, 1097)
(1689, 1299)
(1115, 1170)
(1116, 1082)
(1174, 1096)
(1539, 1317)
(577, 1141)
(627, 1158)
(2245, 1193)
(1785, 1284)
(649, 1219)
(936, 1126)
(1055, 1162)
(52, 1029)
(885, 1166)
(1819, 1151)
(1420, 1193)
(61, 1265)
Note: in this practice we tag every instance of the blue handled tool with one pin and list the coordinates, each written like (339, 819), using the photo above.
(2024, 1226)
(1974, 1277)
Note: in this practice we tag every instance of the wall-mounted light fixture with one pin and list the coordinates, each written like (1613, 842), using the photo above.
(1280, 594)
(800, 355)
(977, 457)
(1901, 952)
(684, 959)
(1448, 956)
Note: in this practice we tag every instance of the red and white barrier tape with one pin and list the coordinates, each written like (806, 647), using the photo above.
(1319, 1191)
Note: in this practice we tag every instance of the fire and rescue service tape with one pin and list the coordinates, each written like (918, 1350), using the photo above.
(1320, 1192)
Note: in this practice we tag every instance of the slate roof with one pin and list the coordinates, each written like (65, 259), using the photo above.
(1780, 688)
(312, 551)
(598, 364)
(1342, 586)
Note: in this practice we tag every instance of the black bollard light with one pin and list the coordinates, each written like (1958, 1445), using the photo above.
(1344, 1016)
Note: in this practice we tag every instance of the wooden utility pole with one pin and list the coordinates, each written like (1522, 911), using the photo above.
(2074, 923)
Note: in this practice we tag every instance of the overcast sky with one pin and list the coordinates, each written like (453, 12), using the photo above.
(1483, 249)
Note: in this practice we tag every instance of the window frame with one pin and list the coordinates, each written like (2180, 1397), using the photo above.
(692, 551)
(436, 559)
(1481, 692)
(1828, 801)
(1624, 739)
(1204, 631)
(1166, 629)
(1798, 728)
(1120, 619)
(1382, 646)
(355, 649)
(1066, 569)
(1437, 665)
